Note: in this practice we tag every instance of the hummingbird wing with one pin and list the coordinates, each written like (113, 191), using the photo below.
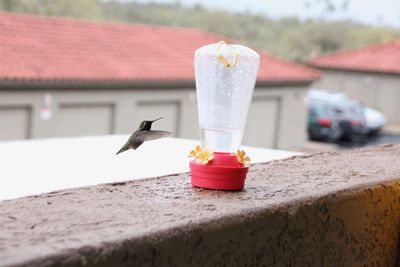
(139, 137)
(151, 135)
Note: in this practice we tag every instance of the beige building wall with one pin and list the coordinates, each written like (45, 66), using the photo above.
(277, 117)
(380, 91)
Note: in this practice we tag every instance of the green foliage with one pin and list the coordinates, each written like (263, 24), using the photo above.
(287, 37)
(87, 9)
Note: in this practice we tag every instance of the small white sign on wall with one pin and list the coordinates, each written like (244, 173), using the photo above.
(45, 110)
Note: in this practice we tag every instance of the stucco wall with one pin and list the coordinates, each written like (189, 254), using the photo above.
(276, 117)
(380, 91)
(326, 209)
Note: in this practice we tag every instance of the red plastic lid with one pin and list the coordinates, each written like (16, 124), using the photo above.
(224, 172)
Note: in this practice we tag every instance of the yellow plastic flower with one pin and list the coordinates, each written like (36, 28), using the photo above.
(243, 158)
(204, 156)
(194, 153)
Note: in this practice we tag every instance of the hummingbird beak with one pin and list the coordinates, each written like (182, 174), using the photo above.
(157, 119)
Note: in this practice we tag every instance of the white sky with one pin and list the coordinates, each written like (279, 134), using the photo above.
(382, 12)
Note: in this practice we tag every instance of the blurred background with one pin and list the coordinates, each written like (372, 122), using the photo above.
(329, 75)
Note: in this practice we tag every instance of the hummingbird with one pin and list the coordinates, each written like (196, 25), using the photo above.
(142, 134)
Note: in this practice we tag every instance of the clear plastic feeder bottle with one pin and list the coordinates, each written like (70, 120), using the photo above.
(225, 80)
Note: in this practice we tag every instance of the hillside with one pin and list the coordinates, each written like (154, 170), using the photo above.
(288, 38)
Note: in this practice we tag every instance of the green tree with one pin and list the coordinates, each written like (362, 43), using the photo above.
(88, 9)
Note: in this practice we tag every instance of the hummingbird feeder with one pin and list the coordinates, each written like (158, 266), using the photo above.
(225, 80)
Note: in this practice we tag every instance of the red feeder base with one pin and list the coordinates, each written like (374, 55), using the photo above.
(224, 172)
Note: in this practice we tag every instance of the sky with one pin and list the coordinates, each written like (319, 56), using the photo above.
(372, 12)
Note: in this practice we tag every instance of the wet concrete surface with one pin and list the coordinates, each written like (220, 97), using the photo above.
(355, 142)
(363, 141)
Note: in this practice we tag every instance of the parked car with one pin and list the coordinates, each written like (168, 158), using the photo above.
(375, 121)
(334, 116)
(323, 123)
(353, 120)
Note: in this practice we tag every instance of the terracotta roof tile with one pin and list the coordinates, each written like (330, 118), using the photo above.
(48, 48)
(384, 58)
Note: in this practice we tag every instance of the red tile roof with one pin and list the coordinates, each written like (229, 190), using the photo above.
(383, 58)
(46, 48)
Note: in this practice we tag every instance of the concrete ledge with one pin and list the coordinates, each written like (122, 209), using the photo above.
(327, 209)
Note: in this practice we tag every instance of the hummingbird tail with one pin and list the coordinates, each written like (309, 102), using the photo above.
(122, 150)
